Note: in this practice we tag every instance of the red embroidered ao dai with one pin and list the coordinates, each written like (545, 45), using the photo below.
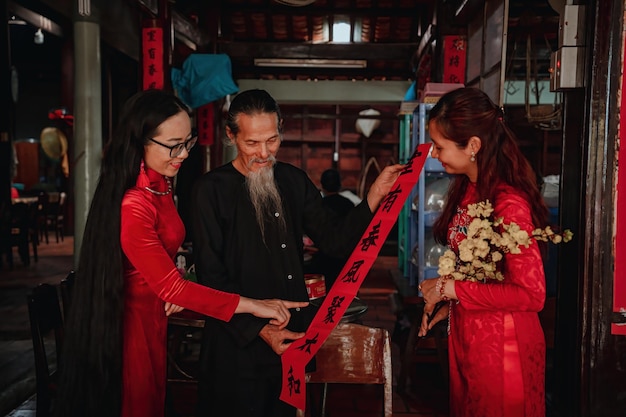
(496, 343)
(151, 233)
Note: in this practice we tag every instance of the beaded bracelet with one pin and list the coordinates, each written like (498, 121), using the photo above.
(440, 287)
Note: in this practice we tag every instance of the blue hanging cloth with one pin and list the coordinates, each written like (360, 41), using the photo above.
(204, 79)
(411, 94)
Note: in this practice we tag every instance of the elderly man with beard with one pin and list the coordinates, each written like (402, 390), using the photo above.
(248, 219)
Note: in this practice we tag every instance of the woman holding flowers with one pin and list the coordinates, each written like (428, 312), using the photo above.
(492, 285)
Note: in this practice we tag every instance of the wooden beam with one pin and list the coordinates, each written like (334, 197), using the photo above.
(326, 11)
(249, 50)
(310, 73)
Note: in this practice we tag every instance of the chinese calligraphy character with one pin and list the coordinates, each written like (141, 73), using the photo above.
(390, 199)
(306, 346)
(152, 53)
(336, 303)
(408, 168)
(371, 239)
(151, 35)
(350, 276)
(454, 61)
(292, 383)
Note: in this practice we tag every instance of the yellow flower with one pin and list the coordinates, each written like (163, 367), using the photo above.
(567, 235)
(447, 263)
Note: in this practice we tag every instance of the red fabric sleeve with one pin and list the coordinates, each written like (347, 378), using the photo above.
(146, 253)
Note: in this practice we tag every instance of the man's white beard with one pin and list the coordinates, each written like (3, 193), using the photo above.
(265, 196)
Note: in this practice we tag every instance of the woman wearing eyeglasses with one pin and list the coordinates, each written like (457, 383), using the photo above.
(114, 363)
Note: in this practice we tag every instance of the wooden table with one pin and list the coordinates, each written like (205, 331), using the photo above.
(353, 313)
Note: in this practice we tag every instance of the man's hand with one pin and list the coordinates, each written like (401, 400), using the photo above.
(382, 185)
(278, 339)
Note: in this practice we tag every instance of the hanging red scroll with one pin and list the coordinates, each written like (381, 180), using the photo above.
(153, 68)
(348, 282)
(454, 56)
(205, 124)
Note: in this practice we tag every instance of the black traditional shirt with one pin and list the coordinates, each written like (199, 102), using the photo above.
(231, 255)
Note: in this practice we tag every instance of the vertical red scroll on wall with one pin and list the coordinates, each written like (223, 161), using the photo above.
(619, 278)
(454, 58)
(206, 124)
(152, 58)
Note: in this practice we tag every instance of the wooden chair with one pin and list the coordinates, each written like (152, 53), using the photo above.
(66, 287)
(55, 215)
(183, 357)
(23, 232)
(42, 210)
(355, 354)
(45, 319)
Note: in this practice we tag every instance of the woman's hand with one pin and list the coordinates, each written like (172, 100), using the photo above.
(431, 296)
(382, 185)
(274, 309)
(428, 320)
(172, 308)
(429, 291)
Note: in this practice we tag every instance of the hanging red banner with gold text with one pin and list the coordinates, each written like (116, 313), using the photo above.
(152, 56)
(348, 282)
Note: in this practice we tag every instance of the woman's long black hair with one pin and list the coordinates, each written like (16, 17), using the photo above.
(91, 370)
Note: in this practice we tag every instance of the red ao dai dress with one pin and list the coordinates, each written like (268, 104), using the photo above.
(151, 233)
(496, 343)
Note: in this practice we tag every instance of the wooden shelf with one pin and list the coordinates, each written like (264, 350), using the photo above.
(310, 133)
(345, 138)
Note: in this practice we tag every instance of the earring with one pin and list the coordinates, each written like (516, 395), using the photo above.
(473, 157)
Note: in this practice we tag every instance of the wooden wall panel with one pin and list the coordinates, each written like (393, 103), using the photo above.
(28, 163)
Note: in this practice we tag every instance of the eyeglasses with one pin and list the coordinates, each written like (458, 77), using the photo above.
(177, 149)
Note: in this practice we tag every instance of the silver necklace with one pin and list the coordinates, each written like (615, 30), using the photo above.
(169, 188)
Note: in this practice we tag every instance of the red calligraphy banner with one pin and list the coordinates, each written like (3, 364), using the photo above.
(152, 55)
(348, 282)
(454, 59)
(205, 124)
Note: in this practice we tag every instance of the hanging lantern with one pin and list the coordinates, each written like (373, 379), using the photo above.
(367, 126)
